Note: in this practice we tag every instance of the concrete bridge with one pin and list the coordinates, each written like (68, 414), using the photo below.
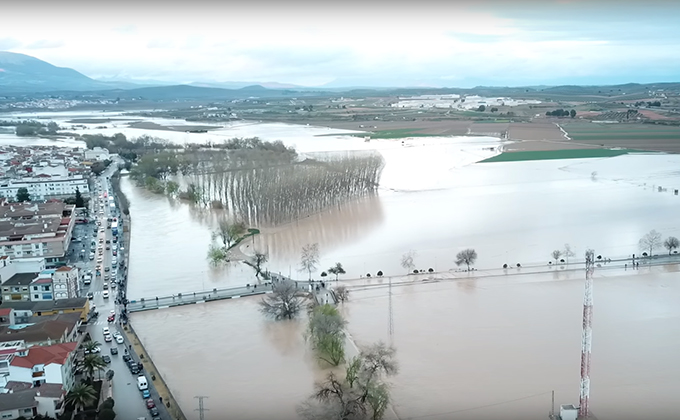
(323, 295)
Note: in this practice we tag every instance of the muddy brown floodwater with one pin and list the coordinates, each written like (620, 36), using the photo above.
(487, 348)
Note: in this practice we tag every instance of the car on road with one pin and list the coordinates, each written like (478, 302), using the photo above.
(120, 339)
(154, 412)
(106, 285)
(114, 350)
(108, 247)
(105, 294)
(90, 295)
(107, 269)
(150, 403)
(106, 358)
(115, 253)
(146, 394)
(92, 256)
(111, 318)
(105, 330)
(108, 338)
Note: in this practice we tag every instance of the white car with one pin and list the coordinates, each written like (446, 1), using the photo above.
(119, 339)
(105, 294)
(108, 338)
(105, 330)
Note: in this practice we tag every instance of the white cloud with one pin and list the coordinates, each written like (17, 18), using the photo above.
(264, 42)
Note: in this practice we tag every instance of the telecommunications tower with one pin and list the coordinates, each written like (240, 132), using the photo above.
(587, 336)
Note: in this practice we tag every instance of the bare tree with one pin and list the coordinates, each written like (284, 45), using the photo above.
(467, 257)
(650, 241)
(341, 293)
(258, 260)
(671, 243)
(283, 303)
(362, 395)
(337, 269)
(556, 254)
(309, 258)
(407, 260)
(568, 252)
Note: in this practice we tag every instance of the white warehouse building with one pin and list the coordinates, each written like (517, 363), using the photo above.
(44, 187)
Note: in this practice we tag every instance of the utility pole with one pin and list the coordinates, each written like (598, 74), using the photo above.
(391, 321)
(587, 337)
(201, 409)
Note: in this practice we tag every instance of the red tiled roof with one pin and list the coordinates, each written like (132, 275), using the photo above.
(46, 355)
(64, 268)
(43, 176)
(5, 311)
(42, 280)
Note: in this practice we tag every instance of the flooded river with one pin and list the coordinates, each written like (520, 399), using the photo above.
(469, 348)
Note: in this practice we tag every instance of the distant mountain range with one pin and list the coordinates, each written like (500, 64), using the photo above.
(24, 75)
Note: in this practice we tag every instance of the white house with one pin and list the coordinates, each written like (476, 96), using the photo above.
(45, 365)
(20, 399)
(42, 288)
(97, 153)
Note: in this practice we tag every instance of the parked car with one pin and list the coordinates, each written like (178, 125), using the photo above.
(154, 412)
(146, 394)
(126, 358)
(90, 295)
(150, 404)
(119, 339)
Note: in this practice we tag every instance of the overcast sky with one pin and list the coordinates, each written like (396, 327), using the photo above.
(351, 43)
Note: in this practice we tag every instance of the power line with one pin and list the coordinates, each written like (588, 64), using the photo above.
(481, 406)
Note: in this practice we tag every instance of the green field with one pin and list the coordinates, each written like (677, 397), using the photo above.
(559, 154)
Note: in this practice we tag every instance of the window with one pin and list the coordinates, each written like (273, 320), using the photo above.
(36, 296)
(7, 416)
(35, 288)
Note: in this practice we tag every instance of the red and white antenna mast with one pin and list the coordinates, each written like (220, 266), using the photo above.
(587, 336)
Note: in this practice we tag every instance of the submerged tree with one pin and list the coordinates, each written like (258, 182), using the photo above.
(556, 254)
(650, 241)
(326, 333)
(309, 259)
(228, 232)
(258, 260)
(467, 257)
(671, 243)
(568, 252)
(337, 269)
(284, 302)
(342, 293)
(407, 260)
(361, 395)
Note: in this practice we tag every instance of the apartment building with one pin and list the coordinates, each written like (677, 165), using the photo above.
(45, 186)
(29, 230)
